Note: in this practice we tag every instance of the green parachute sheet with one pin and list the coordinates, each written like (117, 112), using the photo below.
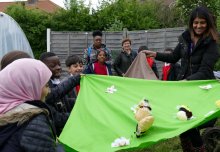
(102, 112)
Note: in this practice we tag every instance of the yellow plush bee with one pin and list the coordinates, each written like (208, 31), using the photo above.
(143, 117)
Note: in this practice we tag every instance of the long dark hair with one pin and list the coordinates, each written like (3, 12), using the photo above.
(204, 13)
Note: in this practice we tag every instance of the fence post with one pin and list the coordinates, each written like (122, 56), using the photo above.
(146, 35)
(165, 40)
(125, 33)
(48, 39)
(69, 44)
(105, 37)
(87, 40)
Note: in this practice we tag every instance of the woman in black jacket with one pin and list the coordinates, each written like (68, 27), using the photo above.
(25, 120)
(198, 51)
(125, 58)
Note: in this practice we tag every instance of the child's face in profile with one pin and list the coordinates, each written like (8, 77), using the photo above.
(101, 57)
(75, 68)
(53, 63)
(45, 92)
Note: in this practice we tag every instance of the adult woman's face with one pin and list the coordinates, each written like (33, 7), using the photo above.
(126, 46)
(97, 40)
(199, 26)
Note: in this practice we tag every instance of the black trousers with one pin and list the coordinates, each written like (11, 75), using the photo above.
(194, 134)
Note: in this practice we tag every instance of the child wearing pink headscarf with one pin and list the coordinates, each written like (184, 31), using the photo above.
(24, 117)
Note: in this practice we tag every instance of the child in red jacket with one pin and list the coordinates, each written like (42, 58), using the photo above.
(170, 70)
(99, 66)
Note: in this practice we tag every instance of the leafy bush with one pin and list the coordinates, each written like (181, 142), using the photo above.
(117, 25)
(186, 6)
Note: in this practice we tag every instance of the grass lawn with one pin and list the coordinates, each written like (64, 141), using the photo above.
(169, 145)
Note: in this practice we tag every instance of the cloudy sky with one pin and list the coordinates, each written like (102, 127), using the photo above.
(60, 2)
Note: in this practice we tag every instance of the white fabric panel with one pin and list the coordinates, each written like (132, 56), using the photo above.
(12, 36)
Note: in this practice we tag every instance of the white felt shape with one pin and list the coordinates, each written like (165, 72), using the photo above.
(206, 87)
(119, 142)
(111, 89)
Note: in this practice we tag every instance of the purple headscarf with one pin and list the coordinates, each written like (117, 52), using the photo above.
(20, 81)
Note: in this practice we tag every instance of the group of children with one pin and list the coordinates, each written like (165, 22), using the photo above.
(65, 95)
(58, 98)
(98, 59)
(35, 104)
(26, 119)
(59, 95)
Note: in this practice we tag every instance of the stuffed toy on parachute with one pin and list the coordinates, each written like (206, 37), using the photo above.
(143, 117)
